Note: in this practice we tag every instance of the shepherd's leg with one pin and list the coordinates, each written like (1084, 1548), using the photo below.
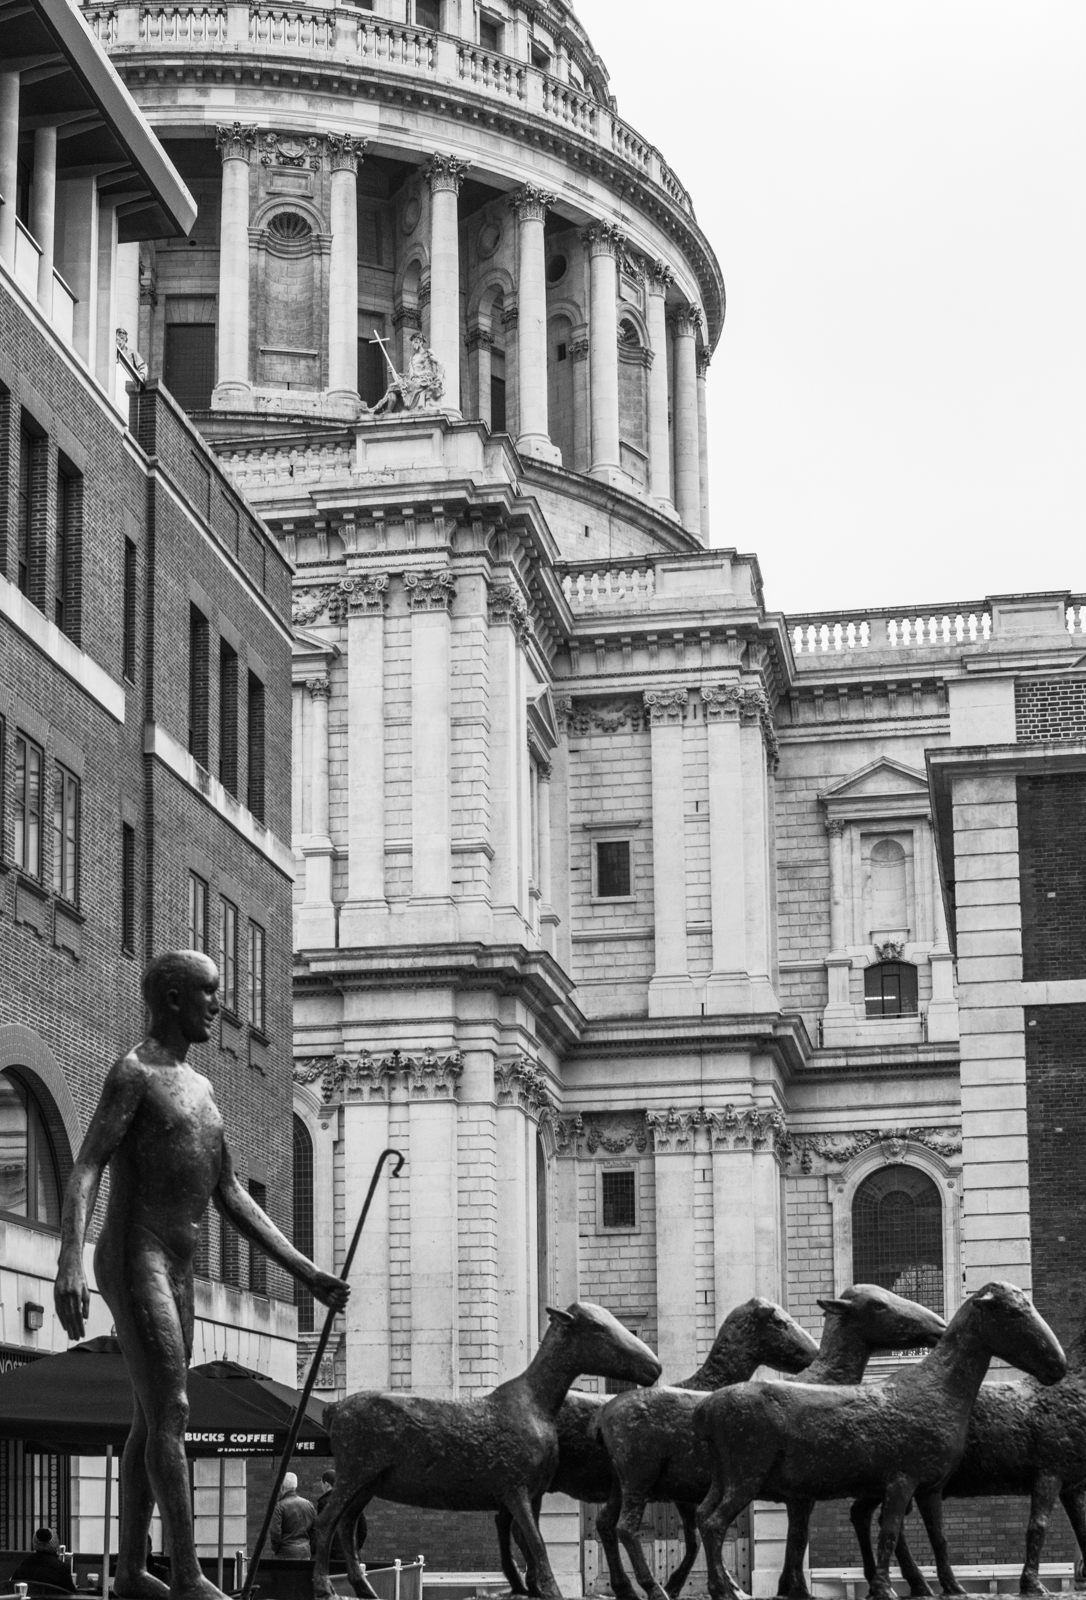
(930, 1505)
(606, 1526)
(345, 1507)
(134, 1582)
(520, 1508)
(628, 1528)
(1046, 1487)
(504, 1524)
(895, 1503)
(792, 1581)
(675, 1583)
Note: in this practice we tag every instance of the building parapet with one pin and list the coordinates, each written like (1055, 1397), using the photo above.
(923, 628)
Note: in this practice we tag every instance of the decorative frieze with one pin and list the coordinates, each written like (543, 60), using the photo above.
(530, 203)
(505, 604)
(310, 605)
(838, 1149)
(291, 150)
(615, 1132)
(665, 706)
(445, 172)
(431, 589)
(521, 1083)
(610, 716)
(426, 1076)
(235, 141)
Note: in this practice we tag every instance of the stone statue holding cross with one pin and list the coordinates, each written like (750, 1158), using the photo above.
(419, 388)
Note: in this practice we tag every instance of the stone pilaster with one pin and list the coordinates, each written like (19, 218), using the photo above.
(673, 1139)
(671, 992)
(431, 1087)
(316, 915)
(236, 143)
(430, 593)
(362, 919)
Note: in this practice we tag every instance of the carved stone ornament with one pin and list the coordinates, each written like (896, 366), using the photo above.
(530, 203)
(309, 605)
(890, 950)
(754, 708)
(346, 151)
(609, 716)
(367, 595)
(291, 150)
(430, 590)
(752, 1128)
(721, 704)
(659, 277)
(567, 1135)
(614, 1132)
(835, 827)
(673, 1130)
(838, 1149)
(604, 239)
(578, 350)
(506, 604)
(521, 1083)
(479, 338)
(665, 706)
(235, 141)
(427, 1075)
(686, 320)
(319, 688)
(704, 360)
(446, 172)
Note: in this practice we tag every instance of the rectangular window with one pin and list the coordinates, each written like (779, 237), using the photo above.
(188, 365)
(197, 913)
(28, 782)
(128, 646)
(497, 405)
(28, 506)
(258, 1261)
(255, 726)
(229, 1253)
(613, 869)
(199, 642)
(618, 1200)
(428, 14)
(128, 889)
(228, 956)
(490, 34)
(66, 836)
(369, 248)
(256, 977)
(228, 718)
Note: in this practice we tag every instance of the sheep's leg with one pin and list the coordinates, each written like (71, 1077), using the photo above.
(860, 1516)
(520, 1508)
(895, 1503)
(352, 1536)
(606, 1525)
(531, 1577)
(1074, 1503)
(791, 1581)
(918, 1584)
(504, 1524)
(628, 1528)
(717, 1512)
(1046, 1486)
(674, 1584)
(347, 1501)
(930, 1505)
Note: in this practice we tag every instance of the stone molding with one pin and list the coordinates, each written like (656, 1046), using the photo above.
(578, 350)
(346, 151)
(604, 239)
(319, 688)
(479, 338)
(236, 141)
(721, 703)
(444, 172)
(432, 589)
(505, 604)
(686, 320)
(292, 150)
(522, 1084)
(828, 1150)
(530, 203)
(425, 1076)
(665, 707)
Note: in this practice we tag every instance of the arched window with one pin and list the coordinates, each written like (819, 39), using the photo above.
(890, 989)
(29, 1175)
(897, 1235)
(633, 376)
(304, 1232)
(889, 890)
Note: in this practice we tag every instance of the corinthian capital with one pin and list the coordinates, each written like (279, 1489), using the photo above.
(686, 320)
(445, 172)
(430, 590)
(604, 239)
(665, 706)
(721, 703)
(530, 203)
(235, 142)
(319, 688)
(345, 151)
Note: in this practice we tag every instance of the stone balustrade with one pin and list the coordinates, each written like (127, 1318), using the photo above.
(348, 34)
(612, 586)
(889, 630)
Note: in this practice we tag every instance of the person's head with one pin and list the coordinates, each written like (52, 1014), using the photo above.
(46, 1539)
(181, 988)
(418, 341)
(328, 1478)
(290, 1485)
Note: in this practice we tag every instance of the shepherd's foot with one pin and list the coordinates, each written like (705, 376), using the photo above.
(198, 1589)
(138, 1585)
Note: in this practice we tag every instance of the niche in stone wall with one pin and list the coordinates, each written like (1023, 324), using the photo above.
(888, 885)
(560, 386)
(291, 295)
(634, 359)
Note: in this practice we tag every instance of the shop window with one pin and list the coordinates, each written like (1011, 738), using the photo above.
(890, 989)
(897, 1235)
(29, 1175)
(304, 1230)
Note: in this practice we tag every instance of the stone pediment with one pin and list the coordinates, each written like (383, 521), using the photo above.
(881, 788)
(543, 721)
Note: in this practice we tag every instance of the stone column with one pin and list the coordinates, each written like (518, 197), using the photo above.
(445, 174)
(480, 344)
(838, 961)
(671, 993)
(9, 164)
(365, 1135)
(755, 728)
(235, 144)
(345, 152)
(316, 916)
(43, 205)
(685, 323)
(547, 919)
(507, 615)
(704, 358)
(660, 277)
(363, 917)
(515, 1084)
(728, 986)
(530, 205)
(127, 298)
(431, 1088)
(429, 597)
(673, 1134)
(578, 354)
(605, 243)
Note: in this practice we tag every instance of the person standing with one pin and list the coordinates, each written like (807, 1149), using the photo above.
(292, 1519)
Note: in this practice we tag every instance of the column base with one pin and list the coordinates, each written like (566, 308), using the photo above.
(666, 507)
(738, 993)
(605, 472)
(942, 1022)
(539, 447)
(347, 398)
(363, 922)
(672, 995)
(230, 394)
(315, 928)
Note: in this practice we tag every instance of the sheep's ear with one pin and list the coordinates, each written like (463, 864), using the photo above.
(835, 1305)
(560, 1316)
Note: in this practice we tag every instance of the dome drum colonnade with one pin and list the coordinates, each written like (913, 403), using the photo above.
(684, 491)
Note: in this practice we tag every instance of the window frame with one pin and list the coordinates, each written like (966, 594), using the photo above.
(617, 837)
(928, 1184)
(128, 889)
(902, 1010)
(68, 790)
(199, 895)
(21, 807)
(633, 1168)
(257, 986)
(228, 956)
(37, 1133)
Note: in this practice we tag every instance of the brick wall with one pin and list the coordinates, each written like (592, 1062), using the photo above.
(978, 1531)
(1050, 708)
(1052, 867)
(1056, 1115)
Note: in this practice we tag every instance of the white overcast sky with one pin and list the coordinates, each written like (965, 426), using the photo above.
(896, 191)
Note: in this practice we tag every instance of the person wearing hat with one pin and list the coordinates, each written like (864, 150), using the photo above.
(292, 1519)
(43, 1564)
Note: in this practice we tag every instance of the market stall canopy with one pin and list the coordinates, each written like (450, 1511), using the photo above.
(80, 1403)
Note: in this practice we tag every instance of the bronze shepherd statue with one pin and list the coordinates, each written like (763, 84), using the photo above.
(160, 1132)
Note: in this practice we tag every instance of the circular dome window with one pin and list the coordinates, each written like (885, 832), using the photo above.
(557, 267)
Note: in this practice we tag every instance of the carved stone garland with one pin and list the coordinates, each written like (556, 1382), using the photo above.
(426, 1076)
